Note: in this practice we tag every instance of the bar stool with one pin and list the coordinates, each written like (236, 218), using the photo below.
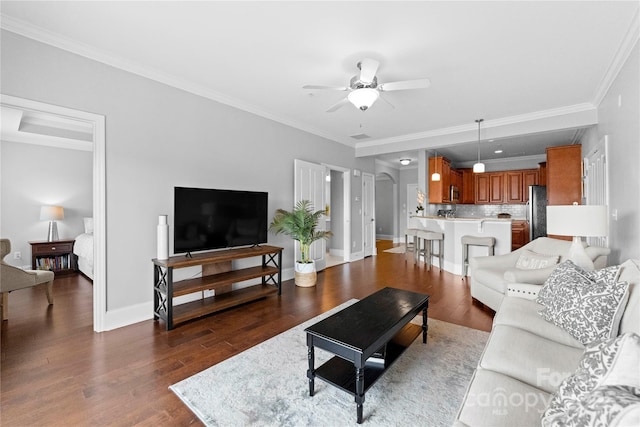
(467, 241)
(413, 233)
(427, 238)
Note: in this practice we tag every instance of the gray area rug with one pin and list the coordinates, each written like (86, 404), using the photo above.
(396, 250)
(267, 384)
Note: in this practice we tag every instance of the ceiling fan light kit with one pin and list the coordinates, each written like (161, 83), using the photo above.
(478, 167)
(363, 98)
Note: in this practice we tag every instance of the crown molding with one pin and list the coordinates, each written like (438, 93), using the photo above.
(42, 35)
(622, 54)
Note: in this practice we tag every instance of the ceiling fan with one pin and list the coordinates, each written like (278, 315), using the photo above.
(364, 89)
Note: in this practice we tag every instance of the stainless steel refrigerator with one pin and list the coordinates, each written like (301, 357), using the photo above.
(537, 211)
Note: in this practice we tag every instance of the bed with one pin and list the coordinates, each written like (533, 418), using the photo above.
(83, 249)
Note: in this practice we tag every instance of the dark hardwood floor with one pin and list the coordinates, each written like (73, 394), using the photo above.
(56, 371)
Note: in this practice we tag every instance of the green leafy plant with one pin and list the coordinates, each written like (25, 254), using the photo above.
(300, 224)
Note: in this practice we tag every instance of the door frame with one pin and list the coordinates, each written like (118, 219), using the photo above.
(346, 202)
(99, 194)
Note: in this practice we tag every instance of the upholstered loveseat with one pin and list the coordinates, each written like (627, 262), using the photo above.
(491, 275)
(534, 371)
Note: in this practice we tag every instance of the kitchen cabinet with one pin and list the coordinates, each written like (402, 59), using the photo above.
(468, 190)
(481, 183)
(519, 234)
(439, 191)
(564, 175)
(542, 173)
(456, 181)
(513, 187)
(529, 177)
(496, 187)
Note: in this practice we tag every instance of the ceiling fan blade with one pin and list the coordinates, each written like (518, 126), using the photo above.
(387, 102)
(338, 105)
(313, 87)
(405, 84)
(368, 69)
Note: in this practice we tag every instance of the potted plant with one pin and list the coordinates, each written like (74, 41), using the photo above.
(300, 224)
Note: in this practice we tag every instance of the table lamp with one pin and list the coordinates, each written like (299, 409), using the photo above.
(52, 214)
(578, 221)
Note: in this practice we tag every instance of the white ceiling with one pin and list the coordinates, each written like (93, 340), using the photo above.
(534, 71)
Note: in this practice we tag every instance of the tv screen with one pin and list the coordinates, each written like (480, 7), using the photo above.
(207, 219)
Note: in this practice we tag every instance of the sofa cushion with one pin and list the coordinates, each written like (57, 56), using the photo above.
(529, 358)
(523, 313)
(530, 260)
(589, 310)
(609, 363)
(497, 400)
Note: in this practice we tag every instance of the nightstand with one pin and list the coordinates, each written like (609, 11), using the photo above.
(55, 256)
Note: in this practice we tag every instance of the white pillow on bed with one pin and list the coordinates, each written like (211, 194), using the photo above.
(88, 225)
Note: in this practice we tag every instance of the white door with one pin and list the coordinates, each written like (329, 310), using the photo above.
(410, 207)
(368, 214)
(309, 185)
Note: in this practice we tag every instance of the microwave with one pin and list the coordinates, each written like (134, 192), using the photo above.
(454, 193)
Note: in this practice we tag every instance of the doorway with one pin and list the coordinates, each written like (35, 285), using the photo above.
(96, 137)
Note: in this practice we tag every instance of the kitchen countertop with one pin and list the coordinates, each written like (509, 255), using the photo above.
(469, 218)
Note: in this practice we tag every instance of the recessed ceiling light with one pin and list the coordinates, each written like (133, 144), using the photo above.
(491, 140)
(498, 151)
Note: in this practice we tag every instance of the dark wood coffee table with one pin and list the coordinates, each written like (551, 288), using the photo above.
(380, 321)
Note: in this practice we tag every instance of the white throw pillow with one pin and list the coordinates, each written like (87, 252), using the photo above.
(530, 260)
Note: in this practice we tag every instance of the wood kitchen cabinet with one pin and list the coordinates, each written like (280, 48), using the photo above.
(519, 234)
(513, 187)
(542, 173)
(564, 175)
(439, 191)
(481, 183)
(496, 187)
(529, 177)
(468, 189)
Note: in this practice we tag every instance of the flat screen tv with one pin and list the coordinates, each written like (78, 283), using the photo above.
(206, 219)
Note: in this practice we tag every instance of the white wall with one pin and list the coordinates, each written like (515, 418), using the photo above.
(618, 117)
(158, 137)
(35, 175)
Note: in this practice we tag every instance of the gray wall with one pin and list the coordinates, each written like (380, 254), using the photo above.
(158, 137)
(36, 175)
(384, 208)
(409, 176)
(621, 124)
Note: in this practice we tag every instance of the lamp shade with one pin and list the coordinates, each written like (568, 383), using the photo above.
(51, 213)
(363, 98)
(577, 220)
(478, 168)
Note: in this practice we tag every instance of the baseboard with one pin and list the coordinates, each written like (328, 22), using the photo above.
(336, 252)
(384, 236)
(126, 316)
(356, 256)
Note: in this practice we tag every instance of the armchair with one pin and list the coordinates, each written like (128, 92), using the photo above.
(13, 278)
(492, 276)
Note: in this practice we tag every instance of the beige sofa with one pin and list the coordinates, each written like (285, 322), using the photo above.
(491, 275)
(526, 359)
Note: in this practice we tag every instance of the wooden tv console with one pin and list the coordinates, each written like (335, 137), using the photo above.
(218, 275)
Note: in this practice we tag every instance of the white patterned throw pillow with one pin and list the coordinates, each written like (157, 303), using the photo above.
(604, 390)
(530, 260)
(568, 273)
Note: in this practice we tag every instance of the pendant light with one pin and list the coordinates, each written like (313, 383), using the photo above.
(478, 167)
(435, 176)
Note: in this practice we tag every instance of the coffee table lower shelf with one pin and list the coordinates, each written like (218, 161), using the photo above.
(341, 373)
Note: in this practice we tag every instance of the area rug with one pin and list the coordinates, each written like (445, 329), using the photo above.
(267, 384)
(396, 250)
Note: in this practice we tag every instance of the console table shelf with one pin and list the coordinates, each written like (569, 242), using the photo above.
(218, 275)
(340, 372)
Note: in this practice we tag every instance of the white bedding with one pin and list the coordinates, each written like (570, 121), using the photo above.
(83, 248)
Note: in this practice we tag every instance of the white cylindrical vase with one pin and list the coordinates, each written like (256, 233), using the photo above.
(163, 237)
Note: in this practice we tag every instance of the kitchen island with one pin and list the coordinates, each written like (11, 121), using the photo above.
(455, 228)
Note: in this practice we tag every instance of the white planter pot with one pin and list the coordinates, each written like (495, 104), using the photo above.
(305, 274)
